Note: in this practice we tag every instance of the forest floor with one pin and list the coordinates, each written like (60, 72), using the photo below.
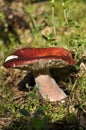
(43, 24)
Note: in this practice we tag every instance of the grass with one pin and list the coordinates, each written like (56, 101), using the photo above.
(26, 110)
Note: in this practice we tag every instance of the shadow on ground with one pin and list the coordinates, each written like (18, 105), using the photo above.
(38, 123)
(59, 74)
(15, 124)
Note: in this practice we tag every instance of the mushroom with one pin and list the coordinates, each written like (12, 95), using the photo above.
(39, 61)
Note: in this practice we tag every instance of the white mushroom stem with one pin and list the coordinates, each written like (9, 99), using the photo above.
(48, 87)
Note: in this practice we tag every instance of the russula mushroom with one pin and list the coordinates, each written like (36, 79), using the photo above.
(39, 61)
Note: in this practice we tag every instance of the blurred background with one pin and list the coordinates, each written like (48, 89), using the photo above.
(42, 23)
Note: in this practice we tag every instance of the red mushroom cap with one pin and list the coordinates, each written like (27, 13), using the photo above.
(29, 56)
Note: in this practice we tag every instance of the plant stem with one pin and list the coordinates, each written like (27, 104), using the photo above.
(66, 19)
(53, 16)
(65, 14)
